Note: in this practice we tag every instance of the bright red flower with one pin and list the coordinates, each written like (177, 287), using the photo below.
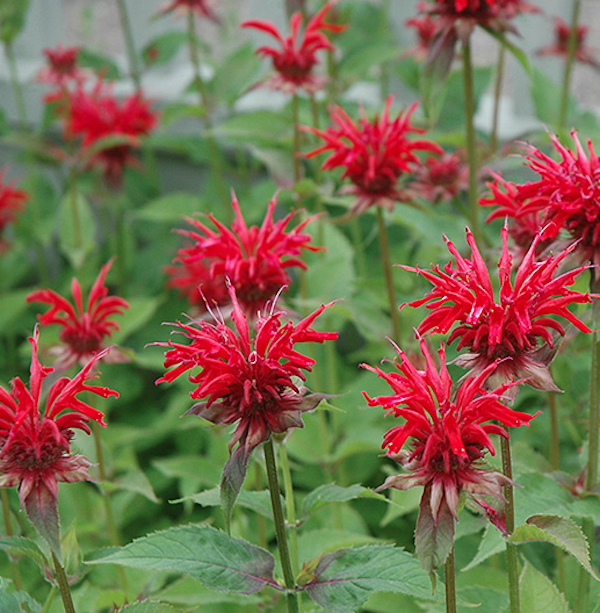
(295, 61)
(35, 434)
(560, 46)
(518, 327)
(565, 198)
(374, 154)
(12, 201)
(83, 329)
(448, 433)
(254, 259)
(98, 114)
(247, 377)
(202, 7)
(440, 178)
(62, 69)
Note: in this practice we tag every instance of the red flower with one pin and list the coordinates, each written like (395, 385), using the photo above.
(440, 179)
(560, 46)
(254, 259)
(517, 329)
(295, 61)
(98, 114)
(427, 28)
(83, 330)
(12, 202)
(247, 377)
(202, 7)
(62, 69)
(374, 154)
(565, 198)
(449, 434)
(35, 439)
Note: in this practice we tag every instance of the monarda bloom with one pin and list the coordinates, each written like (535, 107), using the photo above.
(12, 201)
(560, 46)
(203, 8)
(98, 114)
(447, 433)
(62, 71)
(374, 154)
(83, 329)
(254, 259)
(249, 375)
(427, 28)
(566, 197)
(440, 179)
(518, 328)
(295, 60)
(36, 429)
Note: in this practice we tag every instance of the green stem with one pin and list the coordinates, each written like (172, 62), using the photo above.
(134, 66)
(359, 247)
(450, 584)
(296, 122)
(74, 206)
(9, 532)
(16, 86)
(387, 270)
(49, 600)
(497, 96)
(470, 140)
(569, 62)
(554, 432)
(63, 585)
(512, 561)
(261, 523)
(290, 505)
(286, 565)
(216, 157)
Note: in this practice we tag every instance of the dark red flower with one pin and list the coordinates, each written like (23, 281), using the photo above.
(565, 198)
(36, 430)
(295, 61)
(440, 178)
(202, 7)
(12, 201)
(83, 330)
(254, 259)
(560, 46)
(98, 114)
(374, 154)
(62, 70)
(517, 328)
(247, 377)
(448, 433)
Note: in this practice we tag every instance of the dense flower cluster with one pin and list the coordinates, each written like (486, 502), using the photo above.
(96, 115)
(440, 178)
(36, 430)
(560, 46)
(83, 330)
(295, 60)
(248, 377)
(448, 434)
(374, 153)
(62, 71)
(518, 328)
(254, 259)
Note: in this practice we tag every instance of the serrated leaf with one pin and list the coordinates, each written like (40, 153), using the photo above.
(539, 594)
(147, 607)
(20, 545)
(328, 493)
(344, 579)
(259, 502)
(9, 602)
(220, 562)
(559, 531)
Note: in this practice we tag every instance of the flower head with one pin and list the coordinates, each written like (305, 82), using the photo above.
(560, 46)
(440, 178)
(254, 259)
(374, 153)
(448, 434)
(35, 436)
(247, 377)
(427, 28)
(83, 330)
(295, 60)
(98, 114)
(202, 7)
(12, 201)
(518, 328)
(62, 70)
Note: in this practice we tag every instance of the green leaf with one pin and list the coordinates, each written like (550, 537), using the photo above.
(148, 606)
(234, 473)
(490, 544)
(220, 562)
(20, 545)
(328, 493)
(12, 305)
(12, 19)
(546, 97)
(258, 127)
(99, 63)
(140, 311)
(9, 602)
(193, 147)
(171, 208)
(260, 502)
(77, 228)
(133, 481)
(163, 48)
(433, 540)
(518, 54)
(235, 74)
(357, 63)
(180, 110)
(539, 594)
(344, 579)
(559, 531)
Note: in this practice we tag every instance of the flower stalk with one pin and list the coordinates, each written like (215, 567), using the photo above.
(282, 545)
(497, 95)
(16, 86)
(296, 122)
(387, 270)
(290, 505)
(450, 576)
(63, 585)
(6, 512)
(132, 58)
(511, 549)
(569, 63)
